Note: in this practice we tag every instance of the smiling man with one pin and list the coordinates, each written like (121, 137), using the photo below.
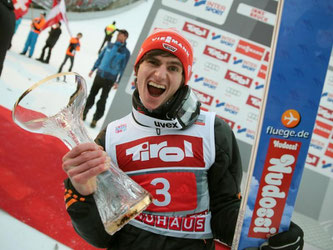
(186, 158)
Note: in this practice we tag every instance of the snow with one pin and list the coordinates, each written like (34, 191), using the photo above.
(20, 72)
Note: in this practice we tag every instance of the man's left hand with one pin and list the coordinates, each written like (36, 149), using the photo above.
(115, 85)
(288, 240)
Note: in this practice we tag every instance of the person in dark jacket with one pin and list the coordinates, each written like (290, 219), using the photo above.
(108, 31)
(187, 158)
(36, 27)
(110, 66)
(7, 24)
(74, 45)
(54, 35)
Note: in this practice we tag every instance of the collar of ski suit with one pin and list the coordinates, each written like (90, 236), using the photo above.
(152, 122)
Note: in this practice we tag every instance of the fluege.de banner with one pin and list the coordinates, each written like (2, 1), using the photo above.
(289, 120)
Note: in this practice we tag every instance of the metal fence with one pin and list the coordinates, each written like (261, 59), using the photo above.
(85, 5)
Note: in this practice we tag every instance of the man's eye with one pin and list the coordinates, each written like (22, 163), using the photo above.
(174, 68)
(152, 62)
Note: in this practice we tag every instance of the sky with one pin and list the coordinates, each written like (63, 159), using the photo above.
(20, 72)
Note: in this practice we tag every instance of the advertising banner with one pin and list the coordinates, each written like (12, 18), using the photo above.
(289, 118)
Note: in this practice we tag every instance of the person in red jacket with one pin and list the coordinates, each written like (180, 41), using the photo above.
(74, 45)
(36, 27)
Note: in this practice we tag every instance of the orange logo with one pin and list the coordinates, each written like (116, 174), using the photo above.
(290, 118)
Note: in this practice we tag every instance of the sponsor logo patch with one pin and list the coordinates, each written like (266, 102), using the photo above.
(250, 50)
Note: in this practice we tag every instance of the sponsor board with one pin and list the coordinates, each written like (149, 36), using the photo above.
(212, 11)
(244, 64)
(223, 38)
(238, 78)
(253, 101)
(196, 30)
(206, 82)
(203, 97)
(250, 49)
(217, 53)
(256, 13)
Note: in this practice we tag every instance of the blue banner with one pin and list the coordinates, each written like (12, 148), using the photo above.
(300, 64)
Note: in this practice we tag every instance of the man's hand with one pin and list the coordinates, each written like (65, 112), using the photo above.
(82, 164)
(90, 73)
(115, 85)
(288, 240)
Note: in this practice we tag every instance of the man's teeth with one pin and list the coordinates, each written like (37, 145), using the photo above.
(156, 85)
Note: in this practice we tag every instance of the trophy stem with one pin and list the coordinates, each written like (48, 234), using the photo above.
(118, 198)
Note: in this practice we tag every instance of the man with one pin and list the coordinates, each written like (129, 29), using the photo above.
(186, 158)
(109, 30)
(54, 35)
(110, 66)
(7, 24)
(36, 26)
(74, 45)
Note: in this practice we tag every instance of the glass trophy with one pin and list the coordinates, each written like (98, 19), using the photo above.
(54, 106)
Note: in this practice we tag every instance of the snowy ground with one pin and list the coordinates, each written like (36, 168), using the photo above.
(21, 72)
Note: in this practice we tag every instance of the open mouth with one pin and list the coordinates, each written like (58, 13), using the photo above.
(155, 89)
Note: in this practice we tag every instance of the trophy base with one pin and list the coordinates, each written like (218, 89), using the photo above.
(113, 226)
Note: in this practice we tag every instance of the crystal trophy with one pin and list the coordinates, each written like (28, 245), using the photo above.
(54, 106)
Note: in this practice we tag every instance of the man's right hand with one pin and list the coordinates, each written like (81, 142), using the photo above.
(83, 163)
(90, 73)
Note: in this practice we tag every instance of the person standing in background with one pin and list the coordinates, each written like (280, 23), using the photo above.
(17, 24)
(7, 26)
(74, 45)
(110, 66)
(36, 27)
(109, 30)
(54, 34)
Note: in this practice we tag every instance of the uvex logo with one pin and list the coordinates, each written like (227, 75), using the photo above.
(195, 29)
(165, 124)
(217, 53)
(156, 152)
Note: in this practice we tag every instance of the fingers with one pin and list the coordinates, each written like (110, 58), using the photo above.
(84, 176)
(78, 150)
(85, 161)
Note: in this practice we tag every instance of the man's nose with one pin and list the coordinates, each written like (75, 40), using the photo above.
(161, 72)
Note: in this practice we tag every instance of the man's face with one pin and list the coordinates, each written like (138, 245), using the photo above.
(158, 79)
(121, 37)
